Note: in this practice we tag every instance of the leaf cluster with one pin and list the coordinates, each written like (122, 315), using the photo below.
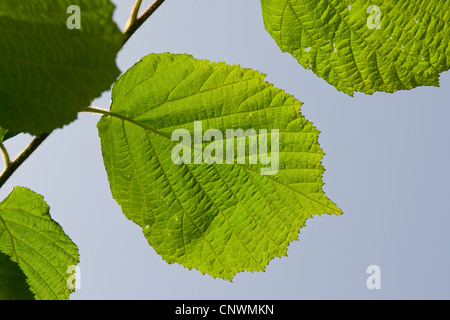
(218, 217)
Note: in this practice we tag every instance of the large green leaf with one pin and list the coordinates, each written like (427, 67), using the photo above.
(37, 245)
(364, 45)
(48, 72)
(218, 218)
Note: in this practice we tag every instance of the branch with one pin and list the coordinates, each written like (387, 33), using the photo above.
(134, 23)
(13, 166)
(134, 14)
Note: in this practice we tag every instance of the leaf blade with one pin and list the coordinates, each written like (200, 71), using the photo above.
(215, 218)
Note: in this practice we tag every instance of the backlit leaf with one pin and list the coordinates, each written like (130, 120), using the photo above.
(37, 245)
(48, 72)
(364, 45)
(218, 218)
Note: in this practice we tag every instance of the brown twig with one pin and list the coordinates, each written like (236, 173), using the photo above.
(14, 165)
(134, 22)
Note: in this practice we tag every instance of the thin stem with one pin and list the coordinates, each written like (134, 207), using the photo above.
(21, 158)
(5, 155)
(134, 14)
(136, 23)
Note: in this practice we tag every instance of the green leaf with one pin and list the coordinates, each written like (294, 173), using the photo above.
(48, 72)
(9, 135)
(364, 46)
(37, 244)
(13, 283)
(218, 218)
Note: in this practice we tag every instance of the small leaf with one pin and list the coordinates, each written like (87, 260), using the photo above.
(218, 218)
(37, 244)
(48, 72)
(367, 46)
